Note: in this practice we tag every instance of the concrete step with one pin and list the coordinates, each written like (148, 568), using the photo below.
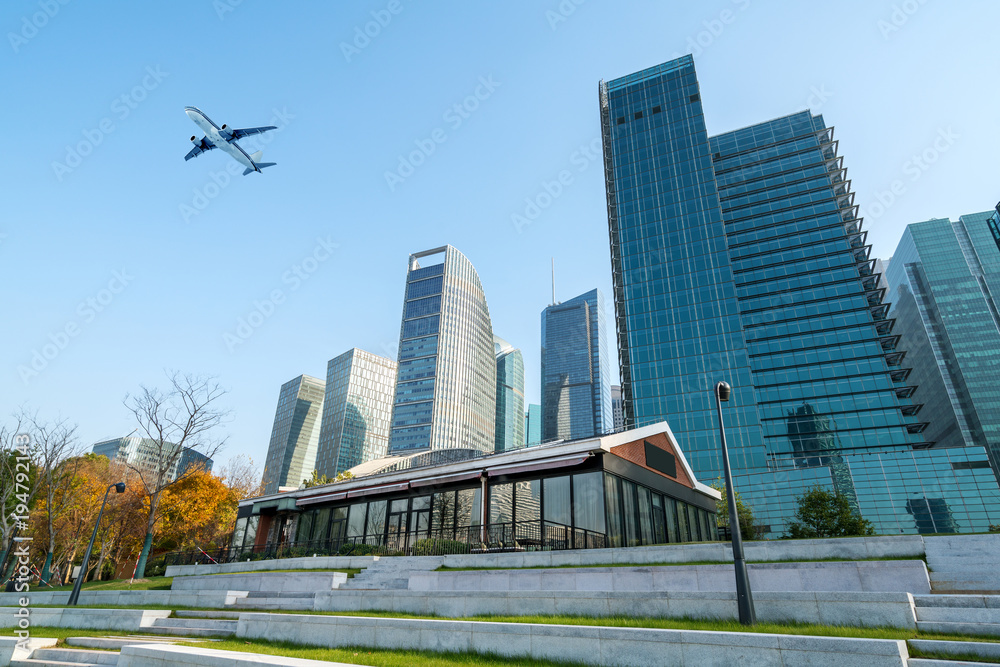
(281, 594)
(928, 662)
(980, 629)
(965, 601)
(233, 615)
(115, 643)
(958, 615)
(32, 662)
(189, 632)
(73, 655)
(275, 604)
(199, 623)
(988, 650)
(193, 627)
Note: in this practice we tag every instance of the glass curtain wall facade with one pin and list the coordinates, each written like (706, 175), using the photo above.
(583, 510)
(510, 396)
(445, 394)
(291, 454)
(741, 257)
(357, 411)
(533, 424)
(942, 278)
(145, 452)
(576, 382)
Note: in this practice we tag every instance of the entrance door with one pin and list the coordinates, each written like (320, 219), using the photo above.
(396, 524)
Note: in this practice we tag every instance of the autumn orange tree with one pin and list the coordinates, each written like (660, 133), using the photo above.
(196, 512)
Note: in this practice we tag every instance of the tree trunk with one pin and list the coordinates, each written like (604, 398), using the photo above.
(46, 570)
(140, 570)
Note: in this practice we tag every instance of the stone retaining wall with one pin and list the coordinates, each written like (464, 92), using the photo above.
(277, 582)
(210, 599)
(85, 619)
(624, 647)
(850, 548)
(833, 608)
(909, 576)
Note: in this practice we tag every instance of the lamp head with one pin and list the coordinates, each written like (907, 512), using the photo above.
(120, 487)
(722, 390)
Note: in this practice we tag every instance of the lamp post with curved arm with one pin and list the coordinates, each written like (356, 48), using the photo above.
(744, 598)
(75, 595)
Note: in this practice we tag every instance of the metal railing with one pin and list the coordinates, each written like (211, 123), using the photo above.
(499, 537)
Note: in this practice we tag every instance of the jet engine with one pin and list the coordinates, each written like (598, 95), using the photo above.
(194, 140)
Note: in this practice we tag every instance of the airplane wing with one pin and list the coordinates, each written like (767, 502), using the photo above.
(239, 134)
(201, 147)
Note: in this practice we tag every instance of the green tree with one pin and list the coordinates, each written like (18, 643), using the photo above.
(825, 513)
(320, 480)
(749, 528)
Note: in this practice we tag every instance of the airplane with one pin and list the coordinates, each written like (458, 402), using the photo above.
(225, 138)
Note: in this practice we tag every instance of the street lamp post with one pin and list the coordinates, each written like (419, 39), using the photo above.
(75, 595)
(744, 598)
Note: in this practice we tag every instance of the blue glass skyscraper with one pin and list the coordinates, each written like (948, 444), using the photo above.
(942, 279)
(740, 257)
(576, 382)
(510, 396)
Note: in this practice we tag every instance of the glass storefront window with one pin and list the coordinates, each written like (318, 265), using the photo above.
(557, 503)
(376, 518)
(422, 503)
(467, 512)
(399, 505)
(659, 520)
(322, 524)
(501, 503)
(588, 502)
(528, 501)
(682, 523)
(443, 511)
(631, 527)
(240, 532)
(645, 516)
(613, 503)
(251, 536)
(356, 522)
(305, 525)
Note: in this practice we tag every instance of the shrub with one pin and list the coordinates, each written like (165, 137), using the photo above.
(437, 547)
(995, 527)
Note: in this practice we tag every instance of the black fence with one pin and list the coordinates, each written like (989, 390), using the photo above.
(498, 537)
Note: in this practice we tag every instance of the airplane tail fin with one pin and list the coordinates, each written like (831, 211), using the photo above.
(256, 157)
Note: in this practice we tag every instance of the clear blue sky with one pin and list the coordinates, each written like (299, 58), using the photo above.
(111, 79)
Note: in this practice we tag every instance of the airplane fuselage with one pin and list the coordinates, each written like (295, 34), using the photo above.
(218, 136)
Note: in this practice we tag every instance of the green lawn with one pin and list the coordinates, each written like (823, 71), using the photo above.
(163, 583)
(350, 655)
(151, 584)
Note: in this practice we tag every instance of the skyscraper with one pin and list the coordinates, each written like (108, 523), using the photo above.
(291, 455)
(533, 425)
(357, 411)
(740, 257)
(445, 394)
(942, 280)
(576, 380)
(617, 416)
(510, 396)
(146, 453)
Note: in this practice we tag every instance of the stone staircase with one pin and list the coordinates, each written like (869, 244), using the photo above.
(275, 601)
(391, 573)
(83, 652)
(965, 614)
(964, 564)
(988, 651)
(209, 624)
